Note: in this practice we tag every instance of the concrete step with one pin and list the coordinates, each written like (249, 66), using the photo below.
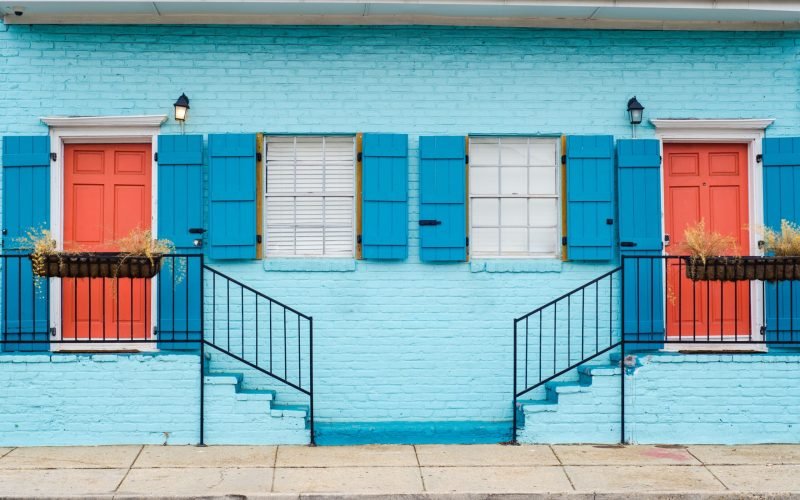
(296, 411)
(220, 378)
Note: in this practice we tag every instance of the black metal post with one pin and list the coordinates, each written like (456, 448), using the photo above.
(202, 348)
(311, 377)
(622, 351)
(514, 405)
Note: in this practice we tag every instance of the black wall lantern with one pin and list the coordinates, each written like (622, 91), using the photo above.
(635, 112)
(181, 108)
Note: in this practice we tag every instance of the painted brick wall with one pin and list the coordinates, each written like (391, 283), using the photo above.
(681, 398)
(402, 341)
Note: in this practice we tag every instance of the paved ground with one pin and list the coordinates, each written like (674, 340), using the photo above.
(428, 471)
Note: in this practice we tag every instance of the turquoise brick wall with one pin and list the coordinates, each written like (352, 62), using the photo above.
(401, 343)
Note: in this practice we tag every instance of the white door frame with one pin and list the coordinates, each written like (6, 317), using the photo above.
(742, 131)
(141, 129)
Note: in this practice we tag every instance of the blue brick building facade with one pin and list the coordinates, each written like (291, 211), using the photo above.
(405, 351)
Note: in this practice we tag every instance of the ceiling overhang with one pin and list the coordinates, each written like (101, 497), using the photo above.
(589, 14)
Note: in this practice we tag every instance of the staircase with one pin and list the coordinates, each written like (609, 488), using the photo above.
(566, 369)
(236, 414)
(581, 407)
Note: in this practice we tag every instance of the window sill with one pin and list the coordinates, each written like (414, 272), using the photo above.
(310, 265)
(515, 266)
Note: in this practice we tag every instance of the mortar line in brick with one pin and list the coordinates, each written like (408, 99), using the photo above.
(419, 468)
(130, 466)
(706, 468)
(561, 466)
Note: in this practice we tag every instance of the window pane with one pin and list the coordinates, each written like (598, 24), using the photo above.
(542, 180)
(514, 241)
(482, 153)
(485, 212)
(543, 153)
(514, 152)
(543, 241)
(513, 180)
(483, 180)
(543, 212)
(514, 212)
(486, 241)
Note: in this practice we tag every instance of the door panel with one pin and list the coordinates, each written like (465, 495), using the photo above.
(706, 182)
(107, 193)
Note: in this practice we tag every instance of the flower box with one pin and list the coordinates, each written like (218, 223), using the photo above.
(743, 269)
(99, 265)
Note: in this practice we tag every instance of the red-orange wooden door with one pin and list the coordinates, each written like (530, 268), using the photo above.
(706, 182)
(107, 193)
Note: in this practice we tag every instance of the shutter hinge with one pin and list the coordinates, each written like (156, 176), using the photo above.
(467, 240)
(258, 157)
(360, 157)
(763, 330)
(563, 159)
(466, 159)
(564, 241)
(258, 239)
(53, 331)
(358, 239)
(759, 158)
(155, 157)
(53, 156)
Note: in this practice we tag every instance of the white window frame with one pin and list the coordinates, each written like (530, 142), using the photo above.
(558, 197)
(322, 195)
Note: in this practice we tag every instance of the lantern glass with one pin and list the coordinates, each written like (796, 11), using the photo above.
(636, 116)
(181, 113)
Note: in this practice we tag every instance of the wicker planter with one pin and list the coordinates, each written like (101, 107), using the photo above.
(100, 265)
(743, 269)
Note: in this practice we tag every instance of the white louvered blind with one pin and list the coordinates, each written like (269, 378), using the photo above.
(310, 196)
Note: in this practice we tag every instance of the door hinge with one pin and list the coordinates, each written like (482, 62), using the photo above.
(53, 156)
(564, 241)
(258, 239)
(155, 156)
(258, 156)
(360, 157)
(759, 158)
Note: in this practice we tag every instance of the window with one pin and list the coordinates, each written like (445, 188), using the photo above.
(514, 197)
(310, 196)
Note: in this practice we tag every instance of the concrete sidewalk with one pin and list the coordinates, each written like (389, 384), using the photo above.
(425, 471)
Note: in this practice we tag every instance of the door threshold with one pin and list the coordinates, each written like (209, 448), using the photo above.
(708, 347)
(105, 348)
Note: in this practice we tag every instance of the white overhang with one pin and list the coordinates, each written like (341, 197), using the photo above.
(598, 14)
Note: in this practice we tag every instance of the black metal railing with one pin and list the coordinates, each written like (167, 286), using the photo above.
(186, 305)
(565, 333)
(260, 332)
(675, 299)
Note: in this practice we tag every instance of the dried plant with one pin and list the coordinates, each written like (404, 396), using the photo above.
(140, 243)
(783, 243)
(42, 245)
(701, 244)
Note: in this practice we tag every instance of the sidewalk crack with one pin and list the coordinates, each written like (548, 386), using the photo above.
(125, 476)
(706, 468)
(419, 468)
(563, 469)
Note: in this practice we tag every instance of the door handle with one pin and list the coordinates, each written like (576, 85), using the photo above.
(430, 222)
(196, 230)
(627, 243)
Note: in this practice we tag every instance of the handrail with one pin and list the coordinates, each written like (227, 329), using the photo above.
(588, 341)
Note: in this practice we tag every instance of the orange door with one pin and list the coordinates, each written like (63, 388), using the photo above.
(708, 182)
(107, 192)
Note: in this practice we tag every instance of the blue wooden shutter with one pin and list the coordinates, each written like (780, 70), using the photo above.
(781, 160)
(180, 209)
(640, 233)
(232, 196)
(384, 210)
(590, 197)
(26, 206)
(442, 231)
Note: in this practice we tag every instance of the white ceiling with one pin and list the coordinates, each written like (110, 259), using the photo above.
(635, 14)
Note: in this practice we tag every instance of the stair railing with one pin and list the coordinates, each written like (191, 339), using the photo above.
(260, 332)
(565, 333)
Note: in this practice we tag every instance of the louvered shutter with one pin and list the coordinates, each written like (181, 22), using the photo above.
(590, 197)
(384, 210)
(640, 232)
(781, 160)
(180, 210)
(442, 218)
(310, 196)
(232, 196)
(26, 206)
